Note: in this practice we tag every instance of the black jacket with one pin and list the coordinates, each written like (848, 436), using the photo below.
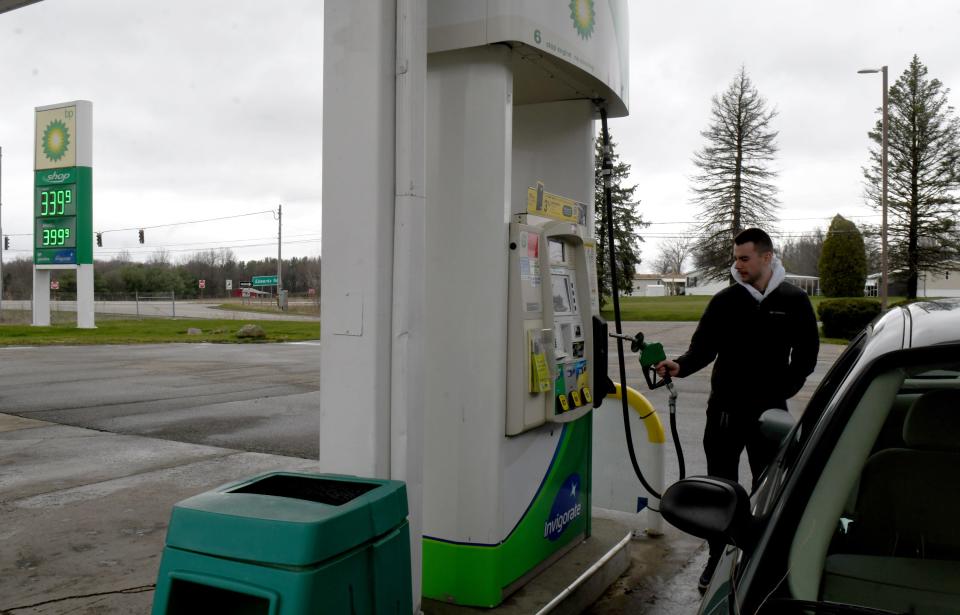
(764, 351)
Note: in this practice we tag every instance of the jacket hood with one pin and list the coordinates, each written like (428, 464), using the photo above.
(779, 275)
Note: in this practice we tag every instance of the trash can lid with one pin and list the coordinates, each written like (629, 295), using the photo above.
(288, 518)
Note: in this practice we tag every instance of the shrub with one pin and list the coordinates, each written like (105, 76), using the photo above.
(844, 318)
(843, 261)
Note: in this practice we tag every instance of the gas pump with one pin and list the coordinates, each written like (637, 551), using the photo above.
(552, 265)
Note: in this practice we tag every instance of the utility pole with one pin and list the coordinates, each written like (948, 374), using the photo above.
(279, 261)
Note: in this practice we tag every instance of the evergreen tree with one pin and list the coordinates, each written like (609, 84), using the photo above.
(923, 176)
(843, 261)
(626, 223)
(733, 188)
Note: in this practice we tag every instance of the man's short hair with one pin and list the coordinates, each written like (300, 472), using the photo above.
(761, 241)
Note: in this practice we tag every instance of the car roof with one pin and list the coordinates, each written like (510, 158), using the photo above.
(933, 322)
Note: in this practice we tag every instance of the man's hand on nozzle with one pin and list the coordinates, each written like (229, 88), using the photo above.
(667, 367)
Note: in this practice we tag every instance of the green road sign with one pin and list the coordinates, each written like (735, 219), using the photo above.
(264, 280)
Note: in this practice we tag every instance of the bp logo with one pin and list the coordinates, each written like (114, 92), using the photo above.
(565, 510)
(581, 11)
(56, 140)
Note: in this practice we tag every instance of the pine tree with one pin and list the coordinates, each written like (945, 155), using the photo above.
(923, 176)
(626, 223)
(843, 261)
(733, 188)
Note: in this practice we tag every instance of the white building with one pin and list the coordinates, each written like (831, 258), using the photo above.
(696, 284)
(658, 284)
(929, 284)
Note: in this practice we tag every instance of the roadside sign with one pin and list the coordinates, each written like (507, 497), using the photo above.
(229, 284)
(203, 283)
(264, 280)
(311, 291)
(245, 284)
(54, 285)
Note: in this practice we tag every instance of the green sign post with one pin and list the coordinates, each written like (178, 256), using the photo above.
(264, 280)
(63, 205)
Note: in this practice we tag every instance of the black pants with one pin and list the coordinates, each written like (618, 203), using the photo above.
(724, 439)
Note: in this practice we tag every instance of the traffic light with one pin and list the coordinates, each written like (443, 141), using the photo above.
(141, 235)
(99, 240)
(6, 242)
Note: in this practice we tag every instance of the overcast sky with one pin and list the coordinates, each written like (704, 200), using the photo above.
(201, 109)
(803, 56)
(213, 108)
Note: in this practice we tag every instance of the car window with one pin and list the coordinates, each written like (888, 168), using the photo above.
(812, 414)
(880, 527)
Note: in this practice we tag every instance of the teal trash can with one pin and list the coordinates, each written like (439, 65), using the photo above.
(287, 543)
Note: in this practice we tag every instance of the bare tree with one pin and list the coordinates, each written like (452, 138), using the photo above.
(801, 255)
(671, 259)
(734, 188)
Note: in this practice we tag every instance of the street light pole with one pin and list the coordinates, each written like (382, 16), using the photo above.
(883, 197)
(2, 246)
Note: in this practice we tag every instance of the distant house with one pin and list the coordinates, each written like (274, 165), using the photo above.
(658, 284)
(946, 284)
(699, 284)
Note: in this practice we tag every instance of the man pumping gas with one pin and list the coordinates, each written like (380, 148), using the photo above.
(763, 335)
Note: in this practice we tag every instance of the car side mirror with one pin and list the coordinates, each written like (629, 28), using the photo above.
(708, 507)
(775, 425)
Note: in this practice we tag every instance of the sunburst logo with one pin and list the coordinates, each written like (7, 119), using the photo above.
(581, 11)
(56, 140)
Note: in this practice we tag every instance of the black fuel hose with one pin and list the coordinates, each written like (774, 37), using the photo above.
(673, 430)
(607, 172)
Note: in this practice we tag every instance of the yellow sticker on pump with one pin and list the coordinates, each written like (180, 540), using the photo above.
(542, 203)
(575, 395)
(586, 395)
(543, 374)
(563, 402)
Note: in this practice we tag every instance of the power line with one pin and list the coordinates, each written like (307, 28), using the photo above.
(773, 219)
(137, 228)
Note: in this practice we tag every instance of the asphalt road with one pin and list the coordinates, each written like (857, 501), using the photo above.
(259, 398)
(264, 398)
(692, 393)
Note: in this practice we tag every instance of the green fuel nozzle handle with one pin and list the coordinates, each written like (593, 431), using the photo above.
(650, 354)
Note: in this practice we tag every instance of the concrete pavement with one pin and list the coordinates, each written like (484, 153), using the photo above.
(85, 512)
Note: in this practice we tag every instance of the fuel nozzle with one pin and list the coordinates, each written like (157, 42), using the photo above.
(650, 354)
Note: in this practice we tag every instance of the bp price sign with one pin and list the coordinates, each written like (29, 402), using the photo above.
(63, 200)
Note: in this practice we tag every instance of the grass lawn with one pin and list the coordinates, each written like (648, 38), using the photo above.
(686, 308)
(153, 331)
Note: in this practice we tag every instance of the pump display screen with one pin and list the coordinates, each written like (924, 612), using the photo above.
(560, 284)
(55, 201)
(557, 251)
(56, 233)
